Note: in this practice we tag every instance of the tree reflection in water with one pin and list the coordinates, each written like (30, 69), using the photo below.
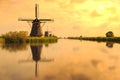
(109, 44)
(14, 47)
(36, 50)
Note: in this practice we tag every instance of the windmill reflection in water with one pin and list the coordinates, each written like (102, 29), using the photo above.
(36, 56)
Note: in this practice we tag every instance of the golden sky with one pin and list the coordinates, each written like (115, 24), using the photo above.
(72, 17)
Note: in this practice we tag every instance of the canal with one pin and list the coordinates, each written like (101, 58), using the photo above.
(64, 60)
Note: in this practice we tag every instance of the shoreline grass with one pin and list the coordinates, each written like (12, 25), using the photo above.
(98, 39)
(30, 40)
(41, 39)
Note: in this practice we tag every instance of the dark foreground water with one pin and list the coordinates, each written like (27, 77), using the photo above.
(65, 60)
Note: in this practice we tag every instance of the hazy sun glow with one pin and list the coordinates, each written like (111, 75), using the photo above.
(101, 9)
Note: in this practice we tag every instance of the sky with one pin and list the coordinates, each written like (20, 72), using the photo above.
(71, 17)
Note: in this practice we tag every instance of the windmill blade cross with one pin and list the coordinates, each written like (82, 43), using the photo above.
(36, 27)
(25, 19)
(46, 19)
(36, 10)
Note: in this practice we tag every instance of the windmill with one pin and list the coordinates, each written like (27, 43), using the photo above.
(36, 30)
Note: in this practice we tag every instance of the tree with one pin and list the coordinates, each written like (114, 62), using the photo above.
(15, 37)
(109, 34)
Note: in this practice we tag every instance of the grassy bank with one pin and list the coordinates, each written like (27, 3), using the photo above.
(41, 39)
(98, 39)
(30, 40)
(1, 40)
(21, 37)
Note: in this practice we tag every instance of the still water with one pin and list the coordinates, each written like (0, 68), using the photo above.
(64, 60)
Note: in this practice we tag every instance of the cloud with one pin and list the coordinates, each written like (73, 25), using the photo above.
(78, 1)
(71, 1)
(71, 13)
(8, 1)
(66, 3)
(49, 77)
(49, 0)
(104, 25)
(114, 19)
(95, 14)
(76, 27)
(95, 63)
(80, 77)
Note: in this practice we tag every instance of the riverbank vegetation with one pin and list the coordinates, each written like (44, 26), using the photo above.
(1, 40)
(98, 39)
(21, 37)
(41, 39)
(109, 38)
(15, 37)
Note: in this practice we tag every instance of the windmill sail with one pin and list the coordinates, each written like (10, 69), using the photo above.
(36, 11)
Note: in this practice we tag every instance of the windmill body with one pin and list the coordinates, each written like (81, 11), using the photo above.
(36, 30)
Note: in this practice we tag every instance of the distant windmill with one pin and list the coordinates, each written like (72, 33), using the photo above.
(36, 30)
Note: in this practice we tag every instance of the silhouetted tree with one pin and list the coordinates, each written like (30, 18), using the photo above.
(109, 34)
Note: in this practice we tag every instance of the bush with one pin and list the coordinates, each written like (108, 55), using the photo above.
(15, 37)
